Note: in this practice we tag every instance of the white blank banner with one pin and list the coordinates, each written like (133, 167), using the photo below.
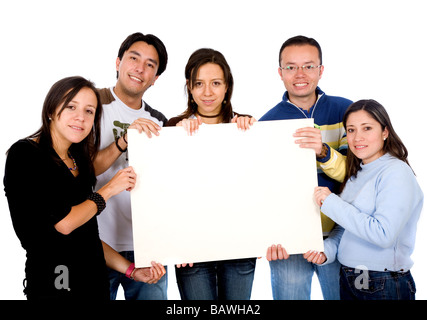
(223, 193)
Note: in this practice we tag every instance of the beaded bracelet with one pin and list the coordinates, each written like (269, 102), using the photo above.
(99, 201)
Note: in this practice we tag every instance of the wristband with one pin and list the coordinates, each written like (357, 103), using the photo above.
(99, 201)
(118, 147)
(130, 271)
(324, 152)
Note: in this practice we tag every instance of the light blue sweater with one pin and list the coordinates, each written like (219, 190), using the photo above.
(377, 214)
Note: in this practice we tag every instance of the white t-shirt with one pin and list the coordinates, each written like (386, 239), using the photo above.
(115, 222)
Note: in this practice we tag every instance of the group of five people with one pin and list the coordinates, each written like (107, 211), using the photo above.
(368, 194)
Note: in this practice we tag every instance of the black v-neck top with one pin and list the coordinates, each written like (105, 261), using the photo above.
(41, 191)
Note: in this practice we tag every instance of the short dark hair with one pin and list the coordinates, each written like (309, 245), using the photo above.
(299, 41)
(151, 40)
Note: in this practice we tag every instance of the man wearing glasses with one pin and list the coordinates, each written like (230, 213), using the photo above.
(300, 68)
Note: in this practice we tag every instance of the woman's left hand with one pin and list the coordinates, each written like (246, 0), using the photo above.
(276, 253)
(315, 257)
(150, 275)
(190, 125)
(243, 122)
(320, 194)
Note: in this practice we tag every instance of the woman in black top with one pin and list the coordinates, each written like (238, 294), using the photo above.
(49, 180)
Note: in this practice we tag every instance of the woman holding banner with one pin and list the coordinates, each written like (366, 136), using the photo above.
(209, 85)
(377, 211)
(49, 180)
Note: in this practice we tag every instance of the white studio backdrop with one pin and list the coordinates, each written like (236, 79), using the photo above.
(371, 49)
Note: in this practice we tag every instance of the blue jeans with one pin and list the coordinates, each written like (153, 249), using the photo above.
(217, 280)
(135, 290)
(291, 278)
(376, 285)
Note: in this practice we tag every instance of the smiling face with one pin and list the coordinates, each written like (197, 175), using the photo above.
(75, 121)
(301, 85)
(209, 89)
(136, 71)
(365, 136)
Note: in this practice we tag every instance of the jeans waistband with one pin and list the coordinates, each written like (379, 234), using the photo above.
(375, 272)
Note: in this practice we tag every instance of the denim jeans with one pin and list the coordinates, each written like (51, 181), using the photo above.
(217, 280)
(135, 290)
(376, 285)
(291, 278)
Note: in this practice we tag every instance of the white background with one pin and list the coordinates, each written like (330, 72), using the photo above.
(371, 49)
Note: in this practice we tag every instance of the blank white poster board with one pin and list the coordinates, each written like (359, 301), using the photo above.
(223, 193)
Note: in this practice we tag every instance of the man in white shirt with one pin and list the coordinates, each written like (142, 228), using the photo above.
(141, 60)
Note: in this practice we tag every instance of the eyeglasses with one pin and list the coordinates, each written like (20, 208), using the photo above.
(305, 68)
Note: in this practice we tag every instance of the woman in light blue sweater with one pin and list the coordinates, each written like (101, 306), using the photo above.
(377, 211)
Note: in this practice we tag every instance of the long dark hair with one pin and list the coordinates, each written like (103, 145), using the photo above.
(59, 95)
(392, 145)
(198, 59)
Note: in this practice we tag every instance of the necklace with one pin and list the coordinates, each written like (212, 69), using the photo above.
(74, 168)
(205, 116)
